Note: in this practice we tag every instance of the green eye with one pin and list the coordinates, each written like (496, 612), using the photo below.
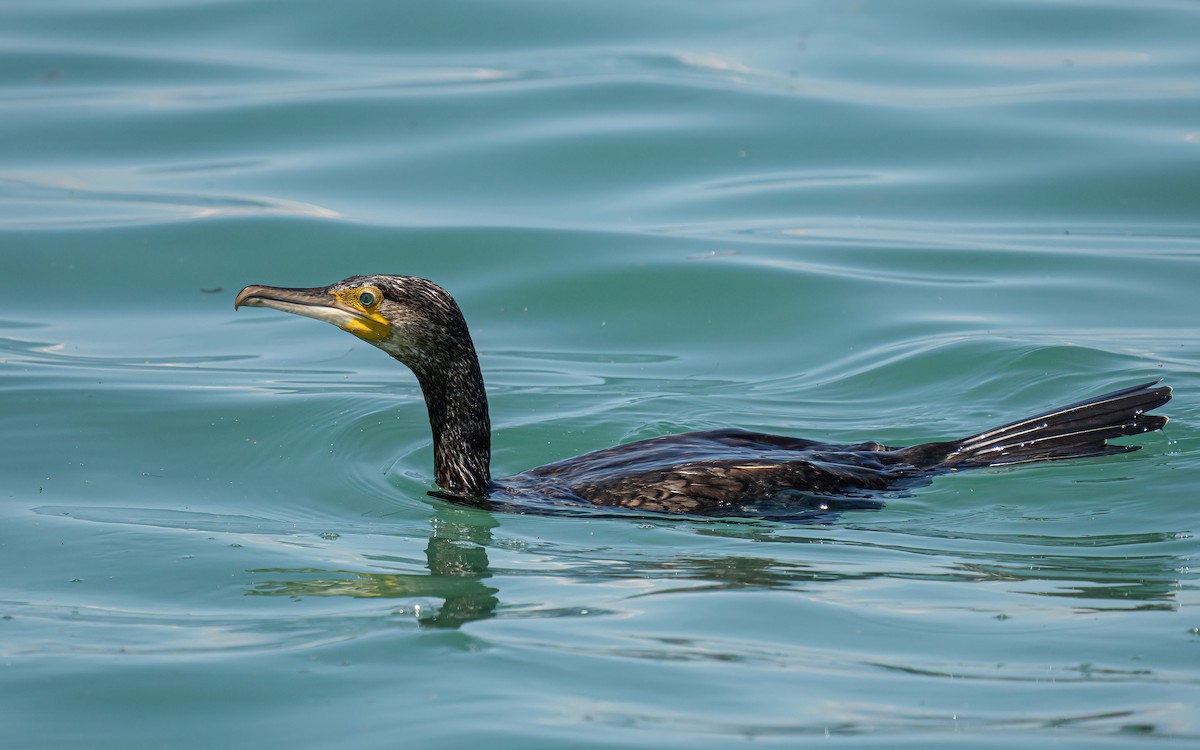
(367, 299)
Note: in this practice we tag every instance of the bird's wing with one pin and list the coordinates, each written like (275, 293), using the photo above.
(713, 486)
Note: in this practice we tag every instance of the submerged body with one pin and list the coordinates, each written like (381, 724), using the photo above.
(717, 472)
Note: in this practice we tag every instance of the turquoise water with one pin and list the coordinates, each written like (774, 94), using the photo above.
(845, 220)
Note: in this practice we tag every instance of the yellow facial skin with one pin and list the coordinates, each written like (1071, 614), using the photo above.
(355, 310)
(367, 323)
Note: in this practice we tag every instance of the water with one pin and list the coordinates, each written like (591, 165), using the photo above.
(845, 220)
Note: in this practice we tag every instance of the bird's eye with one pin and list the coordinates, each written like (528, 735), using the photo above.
(367, 299)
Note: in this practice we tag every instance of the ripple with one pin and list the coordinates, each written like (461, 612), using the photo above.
(108, 197)
(838, 718)
(98, 630)
(792, 181)
(188, 520)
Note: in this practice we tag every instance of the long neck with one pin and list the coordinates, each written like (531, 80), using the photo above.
(458, 416)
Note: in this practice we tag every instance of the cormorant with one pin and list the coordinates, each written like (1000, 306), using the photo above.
(727, 472)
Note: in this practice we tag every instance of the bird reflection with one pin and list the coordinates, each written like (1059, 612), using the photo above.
(457, 555)
(458, 571)
(457, 561)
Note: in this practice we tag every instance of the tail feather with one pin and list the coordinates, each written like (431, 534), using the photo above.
(1075, 431)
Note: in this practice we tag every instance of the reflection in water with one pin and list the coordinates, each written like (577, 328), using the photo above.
(457, 561)
(457, 555)
(1111, 582)
(1109, 572)
(1102, 574)
(1101, 570)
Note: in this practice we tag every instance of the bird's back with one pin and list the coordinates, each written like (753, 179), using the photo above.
(733, 472)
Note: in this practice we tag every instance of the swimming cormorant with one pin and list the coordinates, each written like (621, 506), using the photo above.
(717, 472)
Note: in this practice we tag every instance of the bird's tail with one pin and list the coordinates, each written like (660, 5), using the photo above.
(1075, 431)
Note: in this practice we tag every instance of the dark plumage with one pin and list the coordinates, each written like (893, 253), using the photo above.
(718, 472)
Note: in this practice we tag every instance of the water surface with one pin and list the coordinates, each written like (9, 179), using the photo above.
(840, 220)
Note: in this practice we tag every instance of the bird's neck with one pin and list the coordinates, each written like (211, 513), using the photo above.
(458, 416)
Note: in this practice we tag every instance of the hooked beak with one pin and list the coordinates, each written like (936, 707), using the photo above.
(318, 303)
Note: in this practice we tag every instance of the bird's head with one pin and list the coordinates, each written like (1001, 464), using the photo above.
(412, 319)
